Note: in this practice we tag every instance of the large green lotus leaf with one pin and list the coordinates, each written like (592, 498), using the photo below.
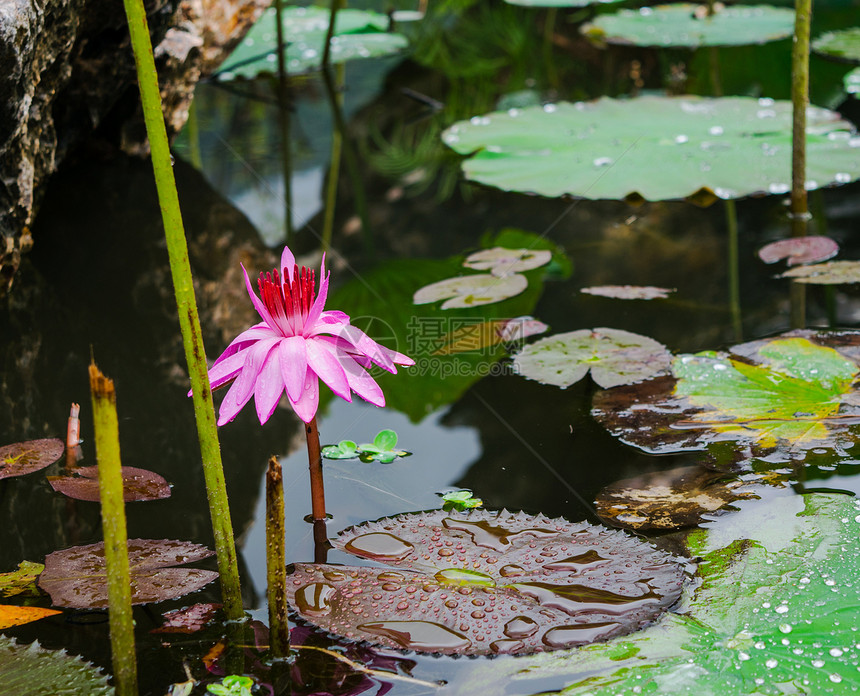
(358, 34)
(655, 148)
(852, 81)
(783, 396)
(559, 3)
(483, 583)
(30, 670)
(842, 45)
(613, 356)
(680, 25)
(776, 613)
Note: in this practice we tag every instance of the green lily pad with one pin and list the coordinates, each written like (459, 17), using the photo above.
(501, 261)
(841, 45)
(21, 581)
(613, 356)
(471, 290)
(34, 671)
(775, 614)
(460, 501)
(852, 81)
(559, 3)
(345, 449)
(831, 273)
(382, 448)
(358, 34)
(783, 396)
(726, 148)
(27, 457)
(681, 25)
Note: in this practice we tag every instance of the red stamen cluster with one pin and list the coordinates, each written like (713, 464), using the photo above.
(286, 299)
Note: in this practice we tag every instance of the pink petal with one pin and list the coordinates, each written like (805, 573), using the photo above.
(362, 383)
(231, 405)
(244, 339)
(268, 387)
(319, 303)
(288, 263)
(306, 406)
(258, 303)
(222, 372)
(294, 365)
(361, 343)
(255, 358)
(334, 316)
(322, 361)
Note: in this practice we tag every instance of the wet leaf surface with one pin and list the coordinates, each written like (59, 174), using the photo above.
(842, 45)
(559, 3)
(667, 500)
(188, 620)
(77, 577)
(358, 34)
(708, 148)
(613, 356)
(783, 396)
(486, 334)
(486, 583)
(831, 273)
(629, 292)
(776, 613)
(687, 25)
(11, 615)
(26, 457)
(471, 290)
(798, 250)
(502, 262)
(34, 671)
(137, 484)
(21, 581)
(851, 82)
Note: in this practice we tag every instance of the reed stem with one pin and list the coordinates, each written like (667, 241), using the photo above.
(734, 271)
(276, 570)
(315, 467)
(114, 530)
(284, 122)
(189, 321)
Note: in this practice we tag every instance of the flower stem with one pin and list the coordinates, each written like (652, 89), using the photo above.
(114, 530)
(189, 321)
(276, 570)
(315, 466)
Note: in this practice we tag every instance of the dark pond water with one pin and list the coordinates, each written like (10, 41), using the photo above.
(98, 283)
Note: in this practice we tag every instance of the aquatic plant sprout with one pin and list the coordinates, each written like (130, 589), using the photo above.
(297, 344)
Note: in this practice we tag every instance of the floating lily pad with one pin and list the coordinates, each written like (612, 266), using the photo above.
(852, 81)
(502, 262)
(137, 484)
(358, 34)
(831, 273)
(382, 449)
(27, 457)
(486, 583)
(629, 292)
(33, 671)
(799, 250)
(783, 396)
(613, 356)
(682, 25)
(667, 500)
(775, 613)
(21, 581)
(77, 577)
(345, 449)
(188, 620)
(841, 45)
(460, 501)
(11, 615)
(480, 335)
(726, 148)
(559, 3)
(471, 290)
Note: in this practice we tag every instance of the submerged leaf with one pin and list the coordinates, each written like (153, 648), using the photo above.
(16, 616)
(479, 335)
(798, 250)
(27, 457)
(21, 581)
(629, 292)
(77, 577)
(831, 273)
(188, 620)
(486, 583)
(682, 25)
(707, 148)
(841, 45)
(502, 262)
(471, 290)
(666, 500)
(137, 484)
(783, 395)
(34, 671)
(613, 356)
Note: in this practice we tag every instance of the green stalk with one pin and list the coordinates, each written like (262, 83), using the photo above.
(800, 101)
(284, 120)
(115, 535)
(189, 321)
(194, 137)
(276, 565)
(334, 167)
(734, 273)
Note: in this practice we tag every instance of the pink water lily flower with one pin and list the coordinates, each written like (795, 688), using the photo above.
(295, 346)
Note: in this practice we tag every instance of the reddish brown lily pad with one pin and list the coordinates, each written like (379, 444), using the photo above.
(27, 457)
(77, 577)
(137, 484)
(629, 292)
(483, 582)
(799, 250)
(665, 500)
(189, 619)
